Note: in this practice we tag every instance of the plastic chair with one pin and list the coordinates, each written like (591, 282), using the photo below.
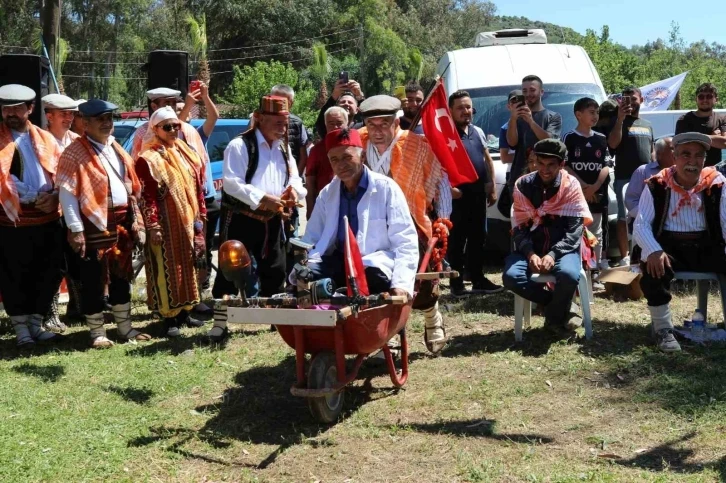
(523, 307)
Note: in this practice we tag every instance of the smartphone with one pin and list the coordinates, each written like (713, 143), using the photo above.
(519, 101)
(625, 100)
(343, 76)
(194, 86)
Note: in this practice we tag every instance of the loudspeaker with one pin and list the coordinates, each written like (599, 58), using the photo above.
(31, 71)
(168, 68)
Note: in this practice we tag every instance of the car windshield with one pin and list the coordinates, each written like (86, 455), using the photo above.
(122, 132)
(220, 138)
(491, 106)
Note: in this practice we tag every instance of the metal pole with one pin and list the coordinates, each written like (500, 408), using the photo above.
(52, 72)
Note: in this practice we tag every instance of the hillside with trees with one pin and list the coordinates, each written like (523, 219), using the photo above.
(248, 44)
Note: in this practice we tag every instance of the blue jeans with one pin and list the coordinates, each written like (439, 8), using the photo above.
(558, 302)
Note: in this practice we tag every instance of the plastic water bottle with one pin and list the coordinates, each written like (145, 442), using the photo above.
(698, 325)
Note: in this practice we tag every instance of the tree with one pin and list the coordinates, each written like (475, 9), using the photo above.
(198, 34)
(320, 70)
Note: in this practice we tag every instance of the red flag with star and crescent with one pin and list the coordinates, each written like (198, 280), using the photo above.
(444, 139)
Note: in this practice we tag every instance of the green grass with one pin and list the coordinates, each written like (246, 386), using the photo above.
(549, 409)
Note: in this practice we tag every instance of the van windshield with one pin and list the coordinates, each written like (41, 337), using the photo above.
(491, 106)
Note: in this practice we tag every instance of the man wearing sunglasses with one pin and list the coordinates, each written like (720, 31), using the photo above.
(706, 121)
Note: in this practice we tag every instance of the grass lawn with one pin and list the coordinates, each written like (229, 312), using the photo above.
(548, 409)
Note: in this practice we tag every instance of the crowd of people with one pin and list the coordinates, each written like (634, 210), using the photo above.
(75, 204)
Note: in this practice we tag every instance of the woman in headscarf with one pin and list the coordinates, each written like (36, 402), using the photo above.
(171, 175)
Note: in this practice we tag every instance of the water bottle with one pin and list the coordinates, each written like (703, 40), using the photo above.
(698, 325)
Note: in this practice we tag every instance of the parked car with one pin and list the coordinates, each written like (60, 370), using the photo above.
(494, 67)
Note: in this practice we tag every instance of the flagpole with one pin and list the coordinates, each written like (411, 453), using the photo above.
(430, 91)
(349, 260)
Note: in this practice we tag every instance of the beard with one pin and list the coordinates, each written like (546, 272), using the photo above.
(14, 123)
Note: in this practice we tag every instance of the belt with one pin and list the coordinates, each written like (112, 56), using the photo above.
(686, 235)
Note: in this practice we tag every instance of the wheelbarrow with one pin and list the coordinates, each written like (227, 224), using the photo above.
(326, 326)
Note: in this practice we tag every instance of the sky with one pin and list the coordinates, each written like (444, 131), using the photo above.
(631, 22)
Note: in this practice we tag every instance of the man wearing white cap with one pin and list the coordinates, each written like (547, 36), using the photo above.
(681, 226)
(31, 235)
(163, 97)
(60, 111)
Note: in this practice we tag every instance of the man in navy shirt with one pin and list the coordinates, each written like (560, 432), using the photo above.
(469, 207)
(414, 101)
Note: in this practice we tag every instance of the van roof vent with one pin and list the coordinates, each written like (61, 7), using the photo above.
(510, 36)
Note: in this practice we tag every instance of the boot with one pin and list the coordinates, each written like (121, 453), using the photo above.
(52, 321)
(663, 328)
(98, 331)
(171, 327)
(219, 332)
(435, 333)
(22, 333)
(122, 315)
(37, 332)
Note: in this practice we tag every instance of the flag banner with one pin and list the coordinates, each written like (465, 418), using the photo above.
(354, 269)
(659, 95)
(444, 139)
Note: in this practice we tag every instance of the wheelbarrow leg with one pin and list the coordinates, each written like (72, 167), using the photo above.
(396, 379)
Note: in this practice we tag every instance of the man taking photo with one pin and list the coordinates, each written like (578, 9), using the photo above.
(706, 121)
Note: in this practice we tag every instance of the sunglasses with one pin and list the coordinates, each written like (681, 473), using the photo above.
(702, 97)
(171, 127)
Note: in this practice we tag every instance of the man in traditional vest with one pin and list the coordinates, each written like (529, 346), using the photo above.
(681, 226)
(162, 97)
(407, 158)
(98, 192)
(60, 111)
(31, 236)
(260, 186)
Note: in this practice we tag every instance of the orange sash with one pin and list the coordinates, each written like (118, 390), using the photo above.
(47, 151)
(81, 172)
(191, 136)
(417, 172)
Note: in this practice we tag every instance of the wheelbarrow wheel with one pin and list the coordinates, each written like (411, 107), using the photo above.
(324, 374)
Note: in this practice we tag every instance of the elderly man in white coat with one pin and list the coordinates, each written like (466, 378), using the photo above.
(378, 216)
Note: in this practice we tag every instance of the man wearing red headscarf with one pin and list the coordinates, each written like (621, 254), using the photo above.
(378, 217)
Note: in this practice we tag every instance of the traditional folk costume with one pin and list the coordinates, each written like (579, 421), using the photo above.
(172, 198)
(31, 248)
(411, 163)
(548, 221)
(99, 189)
(187, 133)
(688, 225)
(253, 168)
(59, 102)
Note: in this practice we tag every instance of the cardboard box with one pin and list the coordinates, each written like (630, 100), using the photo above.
(620, 280)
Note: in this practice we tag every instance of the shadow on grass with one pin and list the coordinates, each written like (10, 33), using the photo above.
(50, 373)
(536, 343)
(669, 457)
(179, 345)
(479, 429)
(260, 409)
(501, 304)
(136, 395)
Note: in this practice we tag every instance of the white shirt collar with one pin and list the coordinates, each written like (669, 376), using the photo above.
(262, 141)
(99, 145)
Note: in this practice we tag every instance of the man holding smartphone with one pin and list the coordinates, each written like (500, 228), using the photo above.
(529, 123)
(706, 121)
(631, 141)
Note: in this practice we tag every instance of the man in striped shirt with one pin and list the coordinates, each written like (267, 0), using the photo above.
(681, 225)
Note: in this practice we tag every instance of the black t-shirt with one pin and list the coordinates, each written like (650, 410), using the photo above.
(690, 122)
(406, 126)
(548, 120)
(587, 156)
(635, 147)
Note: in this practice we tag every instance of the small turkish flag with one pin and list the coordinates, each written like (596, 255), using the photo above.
(444, 139)
(354, 269)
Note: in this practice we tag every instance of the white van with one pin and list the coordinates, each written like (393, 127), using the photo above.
(496, 66)
(664, 122)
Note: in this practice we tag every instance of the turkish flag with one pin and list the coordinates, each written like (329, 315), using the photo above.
(444, 139)
(354, 269)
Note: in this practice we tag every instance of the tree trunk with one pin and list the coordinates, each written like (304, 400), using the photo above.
(51, 26)
(203, 75)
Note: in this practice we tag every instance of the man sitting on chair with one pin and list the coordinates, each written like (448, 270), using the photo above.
(681, 225)
(550, 213)
(378, 216)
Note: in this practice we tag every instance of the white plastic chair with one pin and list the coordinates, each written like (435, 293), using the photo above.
(523, 307)
(702, 279)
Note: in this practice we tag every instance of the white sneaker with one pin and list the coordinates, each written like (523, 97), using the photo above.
(624, 262)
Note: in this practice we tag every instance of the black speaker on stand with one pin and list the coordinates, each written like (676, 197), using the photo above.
(168, 68)
(32, 71)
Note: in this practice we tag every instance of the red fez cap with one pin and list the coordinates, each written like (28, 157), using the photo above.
(275, 105)
(342, 137)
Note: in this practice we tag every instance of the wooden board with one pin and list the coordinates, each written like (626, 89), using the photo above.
(308, 318)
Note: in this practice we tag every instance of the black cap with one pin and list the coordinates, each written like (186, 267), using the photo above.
(515, 93)
(551, 148)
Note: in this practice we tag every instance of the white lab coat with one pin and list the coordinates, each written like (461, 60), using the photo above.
(386, 237)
